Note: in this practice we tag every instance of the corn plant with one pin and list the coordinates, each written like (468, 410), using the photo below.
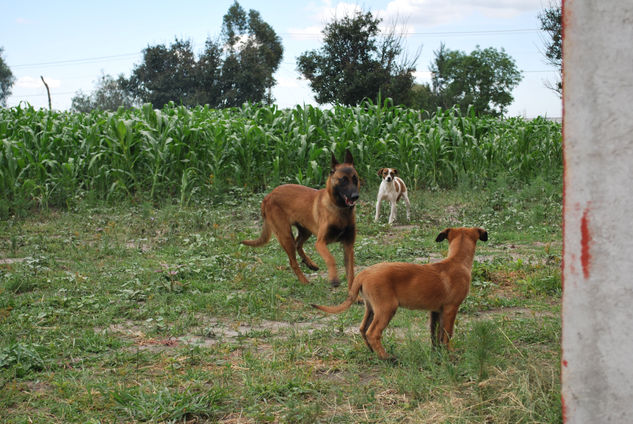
(50, 158)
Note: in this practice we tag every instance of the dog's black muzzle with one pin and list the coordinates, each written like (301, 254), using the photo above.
(348, 199)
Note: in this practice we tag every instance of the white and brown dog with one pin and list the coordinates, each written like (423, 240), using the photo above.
(392, 188)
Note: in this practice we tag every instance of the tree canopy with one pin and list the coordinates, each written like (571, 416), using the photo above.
(166, 74)
(6, 80)
(110, 94)
(483, 79)
(235, 69)
(354, 64)
(552, 23)
(253, 53)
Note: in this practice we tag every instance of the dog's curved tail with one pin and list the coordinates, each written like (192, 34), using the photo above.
(352, 295)
(264, 236)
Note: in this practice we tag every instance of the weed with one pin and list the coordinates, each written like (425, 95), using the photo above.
(21, 359)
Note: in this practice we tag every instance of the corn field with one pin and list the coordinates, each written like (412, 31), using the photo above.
(53, 158)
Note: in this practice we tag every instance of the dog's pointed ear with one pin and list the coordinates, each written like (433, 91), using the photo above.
(348, 157)
(380, 172)
(483, 234)
(443, 235)
(334, 163)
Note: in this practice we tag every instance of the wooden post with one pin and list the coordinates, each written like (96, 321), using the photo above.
(48, 92)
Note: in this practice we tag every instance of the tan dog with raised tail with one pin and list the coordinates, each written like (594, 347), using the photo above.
(327, 213)
(439, 287)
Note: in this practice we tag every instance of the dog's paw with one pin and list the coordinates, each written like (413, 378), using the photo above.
(391, 359)
(335, 282)
(311, 265)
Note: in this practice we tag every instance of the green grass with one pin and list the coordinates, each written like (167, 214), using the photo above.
(138, 313)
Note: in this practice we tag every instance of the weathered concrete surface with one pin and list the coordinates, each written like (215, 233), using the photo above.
(597, 365)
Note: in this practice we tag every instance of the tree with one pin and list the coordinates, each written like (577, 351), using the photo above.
(353, 65)
(253, 54)
(6, 80)
(166, 74)
(552, 24)
(208, 74)
(484, 79)
(236, 69)
(422, 97)
(110, 94)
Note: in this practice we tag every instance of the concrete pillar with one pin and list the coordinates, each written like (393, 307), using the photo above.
(597, 362)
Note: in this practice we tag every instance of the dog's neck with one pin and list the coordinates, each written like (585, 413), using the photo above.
(462, 249)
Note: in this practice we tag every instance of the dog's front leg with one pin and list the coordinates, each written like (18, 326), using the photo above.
(378, 201)
(348, 253)
(392, 215)
(449, 313)
(321, 247)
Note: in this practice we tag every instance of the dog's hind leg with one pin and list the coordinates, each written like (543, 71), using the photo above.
(435, 323)
(374, 332)
(367, 319)
(302, 235)
(283, 232)
(288, 244)
(406, 202)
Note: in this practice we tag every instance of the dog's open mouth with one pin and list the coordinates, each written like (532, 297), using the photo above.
(348, 202)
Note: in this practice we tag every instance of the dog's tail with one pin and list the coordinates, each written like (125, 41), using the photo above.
(263, 238)
(266, 231)
(351, 298)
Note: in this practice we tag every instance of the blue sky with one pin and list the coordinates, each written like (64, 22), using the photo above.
(71, 43)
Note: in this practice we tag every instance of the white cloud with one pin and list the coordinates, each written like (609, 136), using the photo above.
(426, 13)
(311, 32)
(322, 13)
(23, 21)
(32, 82)
(339, 11)
(414, 15)
(423, 76)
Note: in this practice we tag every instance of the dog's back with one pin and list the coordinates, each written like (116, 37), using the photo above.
(400, 187)
(415, 286)
(294, 200)
(291, 200)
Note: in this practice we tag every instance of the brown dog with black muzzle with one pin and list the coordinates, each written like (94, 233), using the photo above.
(439, 287)
(328, 213)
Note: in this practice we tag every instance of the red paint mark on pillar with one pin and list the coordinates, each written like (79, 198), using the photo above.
(585, 243)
